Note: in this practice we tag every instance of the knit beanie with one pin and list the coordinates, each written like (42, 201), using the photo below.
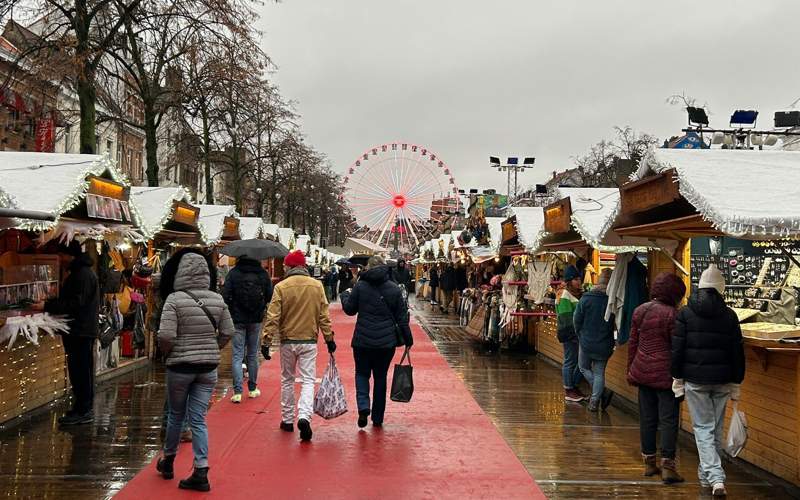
(295, 259)
(570, 273)
(712, 278)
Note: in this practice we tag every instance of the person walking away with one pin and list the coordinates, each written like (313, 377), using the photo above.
(448, 285)
(649, 351)
(433, 283)
(567, 297)
(401, 275)
(345, 278)
(79, 301)
(708, 363)
(333, 282)
(195, 325)
(247, 292)
(381, 326)
(596, 341)
(296, 315)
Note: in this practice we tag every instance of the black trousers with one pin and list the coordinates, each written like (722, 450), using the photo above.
(659, 411)
(374, 363)
(80, 366)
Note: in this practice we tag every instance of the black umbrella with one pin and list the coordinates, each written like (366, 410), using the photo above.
(343, 262)
(255, 249)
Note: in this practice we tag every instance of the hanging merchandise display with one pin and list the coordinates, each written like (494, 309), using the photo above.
(539, 279)
(29, 327)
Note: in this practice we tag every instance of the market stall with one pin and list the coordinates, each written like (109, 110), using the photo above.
(750, 195)
(56, 198)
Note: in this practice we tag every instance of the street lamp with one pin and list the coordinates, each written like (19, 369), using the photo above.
(512, 165)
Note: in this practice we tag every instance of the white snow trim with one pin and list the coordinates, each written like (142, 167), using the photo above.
(530, 226)
(154, 205)
(270, 230)
(250, 227)
(495, 232)
(50, 182)
(212, 221)
(286, 236)
(742, 193)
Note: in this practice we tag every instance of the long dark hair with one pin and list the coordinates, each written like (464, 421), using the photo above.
(170, 270)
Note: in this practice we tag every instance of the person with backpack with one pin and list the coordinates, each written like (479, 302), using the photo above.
(381, 326)
(195, 325)
(247, 291)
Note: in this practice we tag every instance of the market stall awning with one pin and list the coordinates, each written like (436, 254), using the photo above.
(286, 237)
(218, 222)
(482, 253)
(495, 232)
(270, 230)
(303, 243)
(530, 226)
(748, 194)
(155, 207)
(358, 245)
(250, 227)
(54, 183)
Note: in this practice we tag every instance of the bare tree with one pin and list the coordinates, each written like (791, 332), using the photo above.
(609, 162)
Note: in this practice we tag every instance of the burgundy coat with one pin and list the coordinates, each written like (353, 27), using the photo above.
(650, 345)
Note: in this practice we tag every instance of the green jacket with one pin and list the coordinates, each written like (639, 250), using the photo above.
(566, 303)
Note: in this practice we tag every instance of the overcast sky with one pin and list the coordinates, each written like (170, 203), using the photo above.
(471, 78)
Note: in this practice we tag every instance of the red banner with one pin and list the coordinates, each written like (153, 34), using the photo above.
(45, 135)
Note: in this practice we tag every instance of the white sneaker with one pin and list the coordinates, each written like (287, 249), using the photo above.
(237, 398)
(719, 490)
(255, 393)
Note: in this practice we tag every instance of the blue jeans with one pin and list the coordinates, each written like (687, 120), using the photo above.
(707, 408)
(594, 371)
(570, 371)
(246, 337)
(374, 363)
(189, 393)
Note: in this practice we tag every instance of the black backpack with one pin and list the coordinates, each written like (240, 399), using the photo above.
(248, 294)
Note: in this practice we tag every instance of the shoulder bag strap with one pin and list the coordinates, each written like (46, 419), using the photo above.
(203, 307)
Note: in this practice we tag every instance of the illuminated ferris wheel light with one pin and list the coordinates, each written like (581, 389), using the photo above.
(399, 201)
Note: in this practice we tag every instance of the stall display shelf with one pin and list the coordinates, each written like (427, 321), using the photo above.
(516, 283)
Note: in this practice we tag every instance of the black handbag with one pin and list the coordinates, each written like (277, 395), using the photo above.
(403, 380)
(109, 326)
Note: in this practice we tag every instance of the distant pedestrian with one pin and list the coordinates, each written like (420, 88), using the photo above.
(382, 325)
(345, 277)
(401, 275)
(708, 363)
(79, 301)
(247, 291)
(567, 297)
(434, 284)
(649, 351)
(195, 325)
(296, 315)
(596, 341)
(333, 282)
(448, 286)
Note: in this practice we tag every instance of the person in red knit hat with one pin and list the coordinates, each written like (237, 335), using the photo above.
(297, 313)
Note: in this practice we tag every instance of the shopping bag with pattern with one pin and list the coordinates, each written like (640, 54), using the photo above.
(330, 401)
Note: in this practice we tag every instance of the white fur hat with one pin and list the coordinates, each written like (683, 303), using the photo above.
(712, 278)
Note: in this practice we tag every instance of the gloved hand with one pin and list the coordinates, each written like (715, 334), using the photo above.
(331, 346)
(678, 387)
(736, 392)
(265, 352)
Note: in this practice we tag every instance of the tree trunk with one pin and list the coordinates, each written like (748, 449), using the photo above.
(207, 161)
(87, 97)
(151, 145)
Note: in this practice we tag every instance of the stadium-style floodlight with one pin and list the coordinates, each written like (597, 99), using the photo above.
(513, 160)
(494, 160)
(697, 116)
(744, 118)
(541, 189)
(529, 160)
(787, 119)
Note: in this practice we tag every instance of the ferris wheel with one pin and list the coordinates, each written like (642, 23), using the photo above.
(398, 191)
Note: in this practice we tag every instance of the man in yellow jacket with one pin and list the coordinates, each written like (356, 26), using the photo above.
(297, 313)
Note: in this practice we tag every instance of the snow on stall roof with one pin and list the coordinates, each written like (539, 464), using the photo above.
(212, 221)
(250, 227)
(744, 193)
(356, 245)
(154, 205)
(49, 182)
(495, 232)
(530, 226)
(285, 236)
(593, 210)
(270, 229)
(302, 242)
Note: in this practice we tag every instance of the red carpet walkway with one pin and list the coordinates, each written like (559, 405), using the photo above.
(441, 445)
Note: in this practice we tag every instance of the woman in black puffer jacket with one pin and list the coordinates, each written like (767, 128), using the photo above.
(382, 325)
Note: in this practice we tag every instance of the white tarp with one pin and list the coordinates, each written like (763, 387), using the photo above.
(49, 182)
(495, 232)
(358, 245)
(154, 206)
(744, 193)
(530, 226)
(212, 221)
(250, 227)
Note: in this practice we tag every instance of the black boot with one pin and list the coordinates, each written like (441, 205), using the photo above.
(287, 427)
(362, 418)
(165, 466)
(198, 481)
(305, 429)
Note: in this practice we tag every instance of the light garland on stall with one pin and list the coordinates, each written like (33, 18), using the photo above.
(179, 193)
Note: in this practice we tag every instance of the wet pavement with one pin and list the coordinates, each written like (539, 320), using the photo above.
(570, 453)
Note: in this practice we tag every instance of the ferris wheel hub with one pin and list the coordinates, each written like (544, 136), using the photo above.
(399, 201)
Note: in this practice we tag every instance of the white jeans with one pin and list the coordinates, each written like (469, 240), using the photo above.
(707, 407)
(304, 357)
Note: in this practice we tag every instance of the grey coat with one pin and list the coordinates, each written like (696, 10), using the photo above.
(185, 334)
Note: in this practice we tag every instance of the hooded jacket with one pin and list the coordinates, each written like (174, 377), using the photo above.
(652, 327)
(186, 334)
(298, 310)
(707, 345)
(240, 272)
(379, 305)
(566, 303)
(595, 334)
(79, 298)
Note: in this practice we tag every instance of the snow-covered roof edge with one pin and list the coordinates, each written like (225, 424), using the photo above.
(212, 221)
(530, 226)
(179, 193)
(250, 227)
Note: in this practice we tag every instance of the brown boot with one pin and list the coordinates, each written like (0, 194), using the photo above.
(669, 471)
(650, 465)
